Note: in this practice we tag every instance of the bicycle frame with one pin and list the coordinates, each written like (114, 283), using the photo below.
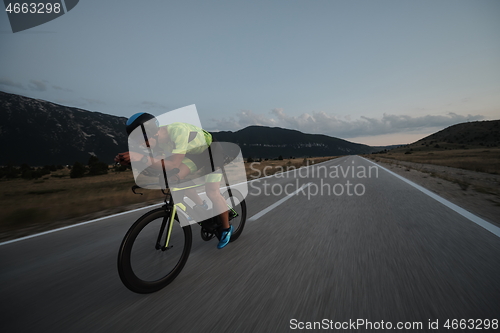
(170, 218)
(168, 221)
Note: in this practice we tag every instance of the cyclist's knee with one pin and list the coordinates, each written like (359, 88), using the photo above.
(183, 171)
(212, 193)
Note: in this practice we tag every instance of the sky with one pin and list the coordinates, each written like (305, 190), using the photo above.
(373, 72)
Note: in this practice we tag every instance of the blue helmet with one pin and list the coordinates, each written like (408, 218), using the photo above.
(140, 118)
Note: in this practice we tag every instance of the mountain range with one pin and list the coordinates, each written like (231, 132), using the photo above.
(484, 133)
(270, 142)
(39, 132)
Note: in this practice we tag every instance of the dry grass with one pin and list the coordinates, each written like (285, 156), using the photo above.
(478, 159)
(31, 202)
(481, 182)
(44, 203)
(266, 168)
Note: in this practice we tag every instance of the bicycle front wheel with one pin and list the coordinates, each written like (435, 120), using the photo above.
(145, 264)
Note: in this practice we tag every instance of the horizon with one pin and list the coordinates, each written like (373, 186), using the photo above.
(418, 136)
(376, 73)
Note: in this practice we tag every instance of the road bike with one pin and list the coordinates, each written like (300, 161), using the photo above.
(157, 246)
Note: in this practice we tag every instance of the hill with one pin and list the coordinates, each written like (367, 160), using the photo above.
(270, 142)
(472, 146)
(470, 134)
(38, 132)
(477, 134)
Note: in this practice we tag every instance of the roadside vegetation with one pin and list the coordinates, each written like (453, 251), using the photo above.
(462, 179)
(471, 146)
(257, 167)
(37, 199)
(40, 203)
(475, 159)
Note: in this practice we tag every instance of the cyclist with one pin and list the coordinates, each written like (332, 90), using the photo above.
(189, 147)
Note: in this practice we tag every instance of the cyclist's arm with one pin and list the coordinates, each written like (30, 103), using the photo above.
(127, 157)
(173, 161)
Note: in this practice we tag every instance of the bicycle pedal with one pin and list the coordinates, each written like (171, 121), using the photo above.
(206, 235)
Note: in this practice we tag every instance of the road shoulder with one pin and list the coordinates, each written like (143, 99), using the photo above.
(477, 192)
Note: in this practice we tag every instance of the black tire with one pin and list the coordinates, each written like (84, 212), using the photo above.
(238, 222)
(142, 267)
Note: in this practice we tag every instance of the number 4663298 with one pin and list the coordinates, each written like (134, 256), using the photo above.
(478, 324)
(33, 8)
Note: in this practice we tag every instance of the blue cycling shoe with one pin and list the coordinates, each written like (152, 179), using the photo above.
(225, 237)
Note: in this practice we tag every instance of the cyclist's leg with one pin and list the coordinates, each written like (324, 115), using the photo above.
(219, 204)
(183, 171)
(187, 167)
(212, 185)
(191, 194)
(220, 208)
(212, 181)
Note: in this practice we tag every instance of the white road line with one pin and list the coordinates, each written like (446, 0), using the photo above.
(476, 219)
(255, 217)
(76, 225)
(276, 204)
(130, 211)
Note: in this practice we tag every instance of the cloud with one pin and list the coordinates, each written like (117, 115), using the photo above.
(243, 119)
(37, 85)
(61, 88)
(8, 82)
(34, 85)
(344, 127)
(153, 105)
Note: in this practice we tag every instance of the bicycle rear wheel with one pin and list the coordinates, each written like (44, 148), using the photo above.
(144, 264)
(238, 214)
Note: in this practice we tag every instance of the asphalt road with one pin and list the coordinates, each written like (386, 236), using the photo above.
(392, 254)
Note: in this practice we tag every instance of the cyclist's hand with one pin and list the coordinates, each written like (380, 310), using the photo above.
(134, 157)
(123, 158)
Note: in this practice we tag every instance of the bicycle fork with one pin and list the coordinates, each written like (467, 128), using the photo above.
(168, 222)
